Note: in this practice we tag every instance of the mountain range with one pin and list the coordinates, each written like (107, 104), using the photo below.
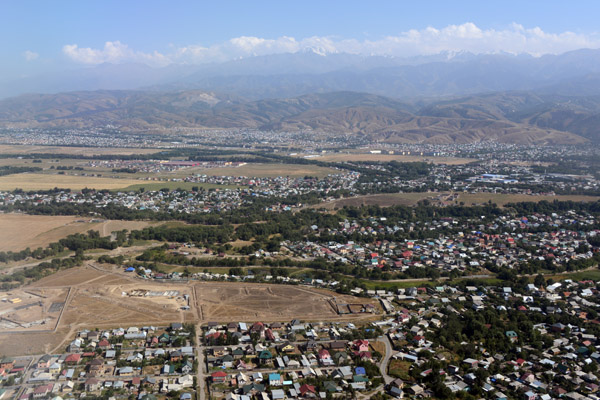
(511, 117)
(447, 98)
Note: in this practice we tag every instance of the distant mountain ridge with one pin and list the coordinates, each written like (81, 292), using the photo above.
(296, 74)
(511, 117)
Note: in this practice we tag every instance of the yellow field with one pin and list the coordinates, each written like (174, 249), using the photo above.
(20, 231)
(29, 181)
(339, 157)
(271, 170)
(84, 151)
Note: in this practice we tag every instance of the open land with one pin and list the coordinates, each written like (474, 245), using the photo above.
(20, 231)
(33, 309)
(340, 157)
(272, 170)
(410, 199)
(101, 298)
(32, 181)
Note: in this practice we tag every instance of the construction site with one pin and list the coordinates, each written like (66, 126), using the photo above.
(31, 309)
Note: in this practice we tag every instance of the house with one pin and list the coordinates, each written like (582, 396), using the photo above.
(253, 388)
(218, 377)
(176, 326)
(396, 392)
(330, 386)
(258, 327)
(67, 387)
(164, 338)
(237, 353)
(325, 357)
(125, 371)
(337, 345)
(277, 394)
(175, 356)
(342, 373)
(361, 345)
(340, 357)
(91, 385)
(416, 390)
(44, 362)
(54, 368)
(275, 379)
(529, 395)
(73, 358)
(307, 391)
(41, 392)
(512, 335)
(187, 367)
(265, 356)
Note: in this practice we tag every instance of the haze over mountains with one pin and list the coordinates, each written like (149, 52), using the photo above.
(438, 99)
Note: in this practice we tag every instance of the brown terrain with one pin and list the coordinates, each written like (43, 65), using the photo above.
(20, 231)
(95, 297)
(466, 120)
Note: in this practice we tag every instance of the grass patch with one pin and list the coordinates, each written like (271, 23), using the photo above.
(593, 275)
(400, 369)
(480, 281)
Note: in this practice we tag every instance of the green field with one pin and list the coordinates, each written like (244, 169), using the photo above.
(400, 369)
(593, 275)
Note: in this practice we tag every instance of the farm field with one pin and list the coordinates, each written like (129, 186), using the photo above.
(271, 170)
(20, 231)
(35, 181)
(340, 157)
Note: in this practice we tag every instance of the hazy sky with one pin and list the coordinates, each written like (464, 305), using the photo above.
(48, 35)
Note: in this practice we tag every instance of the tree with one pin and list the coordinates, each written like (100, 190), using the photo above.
(539, 281)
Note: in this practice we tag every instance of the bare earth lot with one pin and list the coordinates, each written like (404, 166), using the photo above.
(20, 231)
(226, 302)
(31, 309)
(100, 298)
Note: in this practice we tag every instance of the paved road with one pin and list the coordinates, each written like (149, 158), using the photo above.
(386, 360)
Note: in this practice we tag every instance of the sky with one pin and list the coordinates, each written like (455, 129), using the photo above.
(38, 36)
